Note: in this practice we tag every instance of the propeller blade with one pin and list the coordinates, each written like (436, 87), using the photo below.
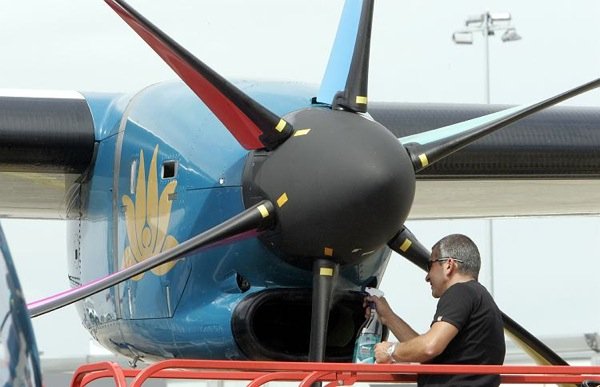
(345, 82)
(428, 147)
(257, 217)
(538, 351)
(324, 275)
(405, 244)
(253, 125)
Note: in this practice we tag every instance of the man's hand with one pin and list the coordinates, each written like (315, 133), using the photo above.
(382, 352)
(384, 311)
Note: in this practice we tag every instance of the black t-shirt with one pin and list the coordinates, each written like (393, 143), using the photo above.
(480, 339)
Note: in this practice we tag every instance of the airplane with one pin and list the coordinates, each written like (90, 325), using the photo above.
(123, 158)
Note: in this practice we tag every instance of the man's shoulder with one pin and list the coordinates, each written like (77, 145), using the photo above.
(466, 286)
(466, 290)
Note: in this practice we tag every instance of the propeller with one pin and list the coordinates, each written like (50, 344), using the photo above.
(407, 245)
(253, 126)
(257, 217)
(429, 147)
(341, 184)
(324, 273)
(353, 96)
(341, 56)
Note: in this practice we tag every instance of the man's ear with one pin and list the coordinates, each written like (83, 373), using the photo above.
(450, 267)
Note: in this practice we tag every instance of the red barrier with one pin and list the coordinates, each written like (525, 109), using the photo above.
(336, 374)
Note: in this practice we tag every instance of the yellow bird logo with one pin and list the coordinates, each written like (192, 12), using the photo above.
(148, 218)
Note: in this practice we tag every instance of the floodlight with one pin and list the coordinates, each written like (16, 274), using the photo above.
(488, 24)
(474, 19)
(462, 37)
(510, 35)
(499, 16)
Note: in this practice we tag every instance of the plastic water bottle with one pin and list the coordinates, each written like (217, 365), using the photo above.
(369, 334)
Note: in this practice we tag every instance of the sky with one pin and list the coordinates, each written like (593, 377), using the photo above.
(83, 45)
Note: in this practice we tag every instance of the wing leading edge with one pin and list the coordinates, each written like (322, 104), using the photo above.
(520, 170)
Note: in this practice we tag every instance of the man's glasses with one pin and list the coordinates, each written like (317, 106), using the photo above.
(443, 259)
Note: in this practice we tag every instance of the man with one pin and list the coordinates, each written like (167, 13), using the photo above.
(467, 327)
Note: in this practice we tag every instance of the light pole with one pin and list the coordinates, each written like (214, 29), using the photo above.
(487, 23)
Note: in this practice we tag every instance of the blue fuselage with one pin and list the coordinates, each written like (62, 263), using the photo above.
(166, 169)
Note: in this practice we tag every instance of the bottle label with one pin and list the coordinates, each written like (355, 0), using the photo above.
(364, 350)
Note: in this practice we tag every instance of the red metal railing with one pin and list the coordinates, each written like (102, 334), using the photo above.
(335, 374)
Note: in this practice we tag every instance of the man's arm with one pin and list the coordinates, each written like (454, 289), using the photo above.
(420, 348)
(401, 329)
(395, 324)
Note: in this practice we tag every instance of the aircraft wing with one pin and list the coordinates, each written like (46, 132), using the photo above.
(545, 164)
(46, 143)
